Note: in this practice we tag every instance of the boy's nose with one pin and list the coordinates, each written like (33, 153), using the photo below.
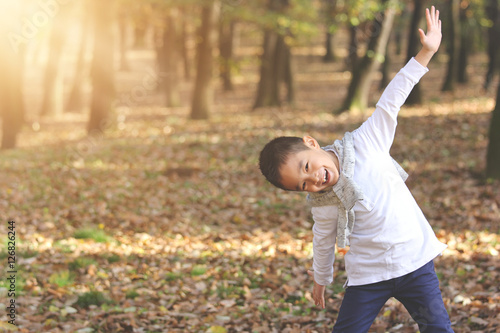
(315, 178)
(318, 179)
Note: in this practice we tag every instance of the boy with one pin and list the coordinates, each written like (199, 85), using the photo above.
(359, 198)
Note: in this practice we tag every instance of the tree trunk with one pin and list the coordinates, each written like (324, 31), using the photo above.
(184, 37)
(329, 6)
(493, 154)
(102, 71)
(226, 37)
(329, 54)
(453, 45)
(415, 96)
(203, 90)
(359, 88)
(288, 77)
(140, 21)
(169, 60)
(11, 99)
(493, 14)
(352, 57)
(267, 91)
(275, 66)
(386, 66)
(400, 26)
(122, 32)
(12, 69)
(75, 101)
(52, 100)
(465, 45)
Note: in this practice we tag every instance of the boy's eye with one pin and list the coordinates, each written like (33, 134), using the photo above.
(307, 166)
(303, 186)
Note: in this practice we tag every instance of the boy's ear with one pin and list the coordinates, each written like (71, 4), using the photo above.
(310, 142)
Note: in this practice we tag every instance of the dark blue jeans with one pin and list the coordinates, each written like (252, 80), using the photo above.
(418, 291)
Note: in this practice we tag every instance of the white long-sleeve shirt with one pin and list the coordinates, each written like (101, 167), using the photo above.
(391, 236)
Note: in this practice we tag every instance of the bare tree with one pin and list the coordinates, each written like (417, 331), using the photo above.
(52, 82)
(453, 45)
(352, 57)
(184, 38)
(11, 95)
(75, 100)
(357, 95)
(466, 42)
(415, 96)
(493, 14)
(329, 7)
(169, 58)
(123, 22)
(226, 41)
(275, 64)
(493, 154)
(203, 90)
(102, 68)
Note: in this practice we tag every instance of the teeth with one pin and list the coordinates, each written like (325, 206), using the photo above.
(324, 180)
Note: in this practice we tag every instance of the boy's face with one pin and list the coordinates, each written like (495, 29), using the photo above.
(310, 170)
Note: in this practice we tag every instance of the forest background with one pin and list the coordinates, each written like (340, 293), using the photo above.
(130, 194)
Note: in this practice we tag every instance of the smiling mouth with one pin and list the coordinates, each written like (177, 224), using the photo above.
(326, 177)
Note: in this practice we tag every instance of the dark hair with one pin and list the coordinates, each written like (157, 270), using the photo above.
(274, 155)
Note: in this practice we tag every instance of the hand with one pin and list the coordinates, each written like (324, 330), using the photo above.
(318, 292)
(432, 39)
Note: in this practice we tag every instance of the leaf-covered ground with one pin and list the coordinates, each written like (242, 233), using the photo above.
(165, 224)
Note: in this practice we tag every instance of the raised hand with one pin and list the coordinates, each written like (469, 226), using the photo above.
(432, 39)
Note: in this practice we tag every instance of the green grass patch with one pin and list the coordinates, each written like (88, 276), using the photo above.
(62, 246)
(229, 291)
(62, 278)
(112, 258)
(172, 276)
(92, 298)
(97, 235)
(131, 294)
(20, 282)
(81, 262)
(198, 270)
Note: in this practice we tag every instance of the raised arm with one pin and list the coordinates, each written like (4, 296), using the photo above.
(378, 131)
(430, 40)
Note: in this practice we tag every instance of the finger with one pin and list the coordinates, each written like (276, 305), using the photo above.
(317, 299)
(310, 273)
(422, 34)
(435, 19)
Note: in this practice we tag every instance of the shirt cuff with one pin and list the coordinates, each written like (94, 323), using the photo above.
(323, 279)
(415, 70)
